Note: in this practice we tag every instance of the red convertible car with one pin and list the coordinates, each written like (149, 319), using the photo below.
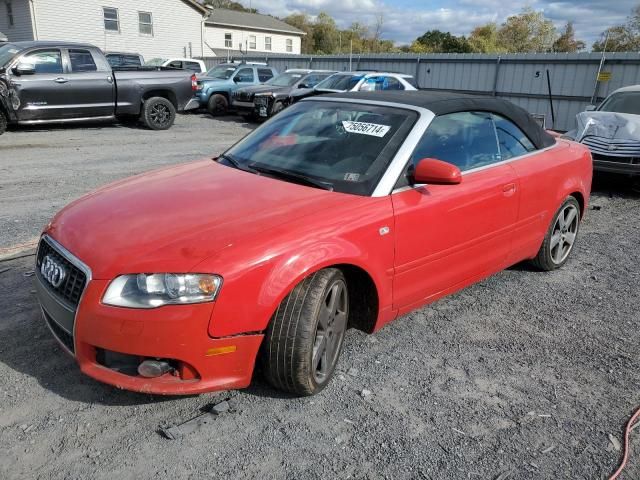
(344, 211)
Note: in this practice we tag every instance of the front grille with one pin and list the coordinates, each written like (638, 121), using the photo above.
(612, 147)
(60, 333)
(243, 96)
(622, 160)
(73, 285)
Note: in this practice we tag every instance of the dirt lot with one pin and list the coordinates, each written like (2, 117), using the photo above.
(523, 376)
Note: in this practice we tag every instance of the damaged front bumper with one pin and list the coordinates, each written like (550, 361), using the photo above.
(614, 155)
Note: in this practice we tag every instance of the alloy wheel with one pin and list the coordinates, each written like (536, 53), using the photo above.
(564, 233)
(332, 324)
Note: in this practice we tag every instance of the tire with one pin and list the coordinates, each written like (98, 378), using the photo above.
(158, 113)
(560, 238)
(277, 108)
(217, 105)
(3, 122)
(305, 337)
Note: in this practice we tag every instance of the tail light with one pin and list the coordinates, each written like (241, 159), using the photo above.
(194, 82)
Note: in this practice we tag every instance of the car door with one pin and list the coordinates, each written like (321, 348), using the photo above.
(244, 76)
(450, 235)
(39, 92)
(87, 89)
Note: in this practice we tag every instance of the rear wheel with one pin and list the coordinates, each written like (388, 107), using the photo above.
(158, 113)
(217, 105)
(3, 122)
(277, 108)
(305, 337)
(561, 237)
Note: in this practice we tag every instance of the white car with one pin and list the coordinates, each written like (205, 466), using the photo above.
(191, 64)
(366, 82)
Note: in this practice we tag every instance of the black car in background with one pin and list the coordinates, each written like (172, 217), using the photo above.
(263, 101)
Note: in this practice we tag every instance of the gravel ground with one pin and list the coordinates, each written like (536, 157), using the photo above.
(522, 376)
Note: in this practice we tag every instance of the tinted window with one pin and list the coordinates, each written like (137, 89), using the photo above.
(465, 139)
(264, 74)
(315, 78)
(193, 66)
(175, 64)
(45, 61)
(285, 79)
(381, 83)
(340, 82)
(114, 60)
(82, 61)
(131, 60)
(513, 142)
(245, 75)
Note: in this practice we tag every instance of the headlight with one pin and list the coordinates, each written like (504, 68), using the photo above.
(158, 289)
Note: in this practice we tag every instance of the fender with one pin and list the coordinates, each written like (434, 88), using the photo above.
(257, 277)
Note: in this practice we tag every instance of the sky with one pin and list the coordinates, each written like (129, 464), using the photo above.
(404, 20)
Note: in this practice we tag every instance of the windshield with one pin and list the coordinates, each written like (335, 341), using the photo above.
(222, 72)
(285, 80)
(623, 102)
(344, 82)
(7, 52)
(155, 62)
(345, 146)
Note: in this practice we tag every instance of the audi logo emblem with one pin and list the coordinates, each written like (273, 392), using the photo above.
(52, 271)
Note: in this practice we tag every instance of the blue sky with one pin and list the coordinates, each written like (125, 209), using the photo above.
(404, 20)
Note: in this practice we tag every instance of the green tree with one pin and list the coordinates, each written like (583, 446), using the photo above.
(302, 22)
(484, 39)
(567, 42)
(440, 42)
(325, 34)
(621, 38)
(527, 32)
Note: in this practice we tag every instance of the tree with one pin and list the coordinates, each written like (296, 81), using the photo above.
(229, 5)
(484, 39)
(527, 32)
(621, 38)
(440, 42)
(567, 42)
(325, 34)
(301, 22)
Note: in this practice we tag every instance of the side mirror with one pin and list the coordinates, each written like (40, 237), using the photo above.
(24, 69)
(304, 85)
(590, 108)
(436, 172)
(237, 79)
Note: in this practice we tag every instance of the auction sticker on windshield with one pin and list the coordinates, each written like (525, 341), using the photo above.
(363, 128)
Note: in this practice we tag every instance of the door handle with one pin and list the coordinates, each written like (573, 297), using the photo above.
(61, 80)
(509, 189)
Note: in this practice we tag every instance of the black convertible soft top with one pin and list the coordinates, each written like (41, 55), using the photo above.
(441, 103)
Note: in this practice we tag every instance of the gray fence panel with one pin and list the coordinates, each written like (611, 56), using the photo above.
(520, 78)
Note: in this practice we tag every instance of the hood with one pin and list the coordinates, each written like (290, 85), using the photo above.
(172, 219)
(205, 79)
(609, 125)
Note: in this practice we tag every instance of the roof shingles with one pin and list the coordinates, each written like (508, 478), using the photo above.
(234, 18)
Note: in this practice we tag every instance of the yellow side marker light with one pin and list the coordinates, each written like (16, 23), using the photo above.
(220, 350)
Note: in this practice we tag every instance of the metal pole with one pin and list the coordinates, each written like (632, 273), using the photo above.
(495, 78)
(594, 97)
(351, 57)
(553, 113)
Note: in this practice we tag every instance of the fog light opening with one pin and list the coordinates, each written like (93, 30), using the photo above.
(154, 368)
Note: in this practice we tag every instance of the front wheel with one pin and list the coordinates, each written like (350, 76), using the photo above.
(217, 105)
(561, 237)
(158, 113)
(305, 337)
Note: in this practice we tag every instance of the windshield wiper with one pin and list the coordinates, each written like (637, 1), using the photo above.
(235, 164)
(295, 177)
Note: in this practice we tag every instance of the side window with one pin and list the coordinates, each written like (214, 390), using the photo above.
(81, 61)
(466, 139)
(391, 83)
(175, 64)
(45, 61)
(264, 74)
(244, 75)
(513, 142)
(114, 60)
(193, 66)
(131, 60)
(313, 80)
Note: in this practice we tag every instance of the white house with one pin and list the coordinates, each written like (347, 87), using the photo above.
(153, 28)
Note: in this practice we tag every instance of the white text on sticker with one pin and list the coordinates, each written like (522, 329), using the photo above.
(363, 128)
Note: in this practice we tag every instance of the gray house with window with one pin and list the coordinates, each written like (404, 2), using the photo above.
(153, 28)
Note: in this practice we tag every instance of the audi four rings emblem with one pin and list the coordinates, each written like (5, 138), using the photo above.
(53, 271)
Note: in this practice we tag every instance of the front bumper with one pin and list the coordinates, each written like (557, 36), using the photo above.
(177, 334)
(626, 168)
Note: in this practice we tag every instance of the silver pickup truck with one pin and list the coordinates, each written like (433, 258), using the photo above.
(47, 82)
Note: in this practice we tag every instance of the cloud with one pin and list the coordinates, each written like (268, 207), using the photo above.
(404, 20)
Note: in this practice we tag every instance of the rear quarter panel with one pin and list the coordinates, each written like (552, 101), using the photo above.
(132, 86)
(545, 180)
